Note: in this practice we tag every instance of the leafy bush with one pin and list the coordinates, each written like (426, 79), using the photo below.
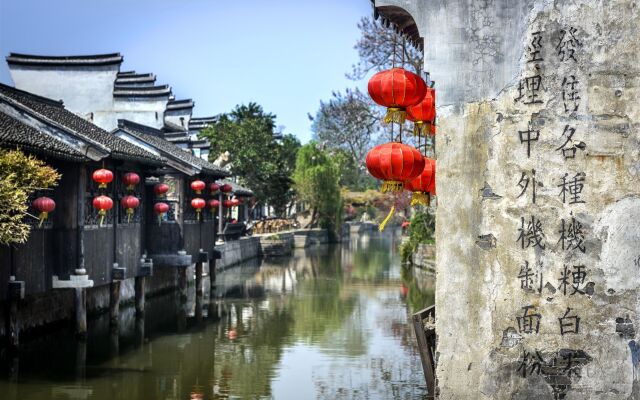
(20, 176)
(421, 230)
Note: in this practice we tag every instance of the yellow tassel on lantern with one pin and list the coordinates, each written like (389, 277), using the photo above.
(421, 128)
(43, 216)
(420, 198)
(395, 114)
(384, 223)
(101, 213)
(129, 214)
(198, 214)
(392, 186)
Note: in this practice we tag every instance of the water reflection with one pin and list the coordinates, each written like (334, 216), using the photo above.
(329, 322)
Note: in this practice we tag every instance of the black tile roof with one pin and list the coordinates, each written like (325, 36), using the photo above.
(133, 78)
(141, 91)
(171, 136)
(69, 61)
(15, 134)
(201, 122)
(55, 111)
(180, 104)
(155, 138)
(238, 190)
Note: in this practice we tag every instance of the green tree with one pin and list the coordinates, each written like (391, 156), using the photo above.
(316, 183)
(20, 176)
(262, 158)
(349, 124)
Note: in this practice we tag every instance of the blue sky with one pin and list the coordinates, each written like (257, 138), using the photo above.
(286, 55)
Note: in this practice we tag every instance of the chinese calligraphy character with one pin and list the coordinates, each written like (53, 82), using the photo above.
(573, 187)
(577, 275)
(533, 361)
(569, 324)
(529, 278)
(571, 235)
(529, 136)
(535, 47)
(567, 44)
(529, 322)
(528, 90)
(570, 93)
(524, 184)
(532, 235)
(570, 152)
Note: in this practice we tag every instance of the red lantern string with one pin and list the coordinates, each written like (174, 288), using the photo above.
(102, 204)
(44, 205)
(160, 209)
(130, 203)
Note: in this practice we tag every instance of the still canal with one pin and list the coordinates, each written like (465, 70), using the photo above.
(328, 322)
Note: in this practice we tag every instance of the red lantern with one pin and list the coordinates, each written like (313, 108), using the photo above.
(103, 177)
(214, 187)
(227, 203)
(226, 188)
(235, 202)
(396, 89)
(44, 205)
(198, 186)
(198, 204)
(129, 203)
(161, 189)
(240, 200)
(102, 204)
(432, 186)
(131, 179)
(213, 204)
(423, 114)
(420, 185)
(394, 163)
(160, 209)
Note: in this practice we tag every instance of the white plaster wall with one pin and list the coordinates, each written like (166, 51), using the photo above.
(83, 90)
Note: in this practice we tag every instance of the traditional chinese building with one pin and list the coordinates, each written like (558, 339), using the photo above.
(538, 194)
(126, 128)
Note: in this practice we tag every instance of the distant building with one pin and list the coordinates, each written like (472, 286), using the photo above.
(94, 87)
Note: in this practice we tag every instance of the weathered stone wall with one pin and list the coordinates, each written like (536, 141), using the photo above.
(537, 299)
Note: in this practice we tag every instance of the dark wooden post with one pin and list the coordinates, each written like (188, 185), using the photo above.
(81, 312)
(139, 300)
(182, 284)
(426, 345)
(114, 303)
(13, 325)
(199, 291)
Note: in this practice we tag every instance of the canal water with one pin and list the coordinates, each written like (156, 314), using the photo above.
(328, 322)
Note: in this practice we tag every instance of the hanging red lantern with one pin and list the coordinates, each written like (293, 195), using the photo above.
(226, 188)
(213, 204)
(198, 204)
(227, 203)
(423, 114)
(102, 204)
(44, 205)
(129, 203)
(131, 179)
(161, 189)
(160, 209)
(198, 186)
(396, 89)
(420, 185)
(394, 163)
(432, 186)
(235, 202)
(214, 188)
(102, 177)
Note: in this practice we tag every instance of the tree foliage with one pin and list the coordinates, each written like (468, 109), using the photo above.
(348, 123)
(316, 182)
(20, 177)
(379, 46)
(422, 229)
(263, 159)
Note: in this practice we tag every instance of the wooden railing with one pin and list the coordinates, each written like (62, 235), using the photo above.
(424, 324)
